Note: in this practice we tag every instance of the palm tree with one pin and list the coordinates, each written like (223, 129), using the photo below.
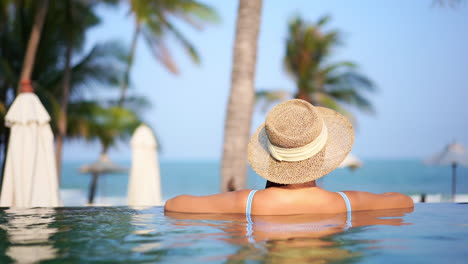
(33, 43)
(90, 71)
(93, 121)
(28, 59)
(241, 98)
(78, 16)
(101, 67)
(336, 85)
(154, 21)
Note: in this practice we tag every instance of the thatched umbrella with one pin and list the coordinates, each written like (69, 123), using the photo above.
(102, 166)
(453, 154)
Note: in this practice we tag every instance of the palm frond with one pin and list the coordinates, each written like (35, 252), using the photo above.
(107, 125)
(330, 102)
(307, 60)
(323, 20)
(156, 19)
(352, 98)
(101, 67)
(161, 52)
(134, 103)
(186, 44)
(349, 79)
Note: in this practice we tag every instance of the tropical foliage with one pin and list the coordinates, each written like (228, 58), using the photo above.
(155, 22)
(91, 121)
(98, 68)
(320, 81)
(66, 75)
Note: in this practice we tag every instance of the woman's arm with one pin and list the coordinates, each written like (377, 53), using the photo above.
(230, 202)
(372, 201)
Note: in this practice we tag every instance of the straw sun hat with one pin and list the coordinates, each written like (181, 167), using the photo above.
(299, 143)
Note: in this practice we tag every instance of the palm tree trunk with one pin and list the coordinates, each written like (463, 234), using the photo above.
(303, 95)
(62, 122)
(92, 188)
(126, 79)
(311, 98)
(33, 43)
(242, 96)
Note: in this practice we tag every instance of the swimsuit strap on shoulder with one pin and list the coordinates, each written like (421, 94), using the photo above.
(248, 206)
(248, 209)
(348, 209)
(348, 203)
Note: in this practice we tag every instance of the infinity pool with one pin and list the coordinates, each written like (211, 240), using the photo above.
(432, 233)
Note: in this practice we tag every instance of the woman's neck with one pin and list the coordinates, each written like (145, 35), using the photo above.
(291, 186)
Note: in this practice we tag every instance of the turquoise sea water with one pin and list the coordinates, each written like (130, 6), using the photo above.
(203, 177)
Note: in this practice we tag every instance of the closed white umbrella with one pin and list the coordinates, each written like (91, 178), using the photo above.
(351, 161)
(30, 177)
(144, 187)
(453, 155)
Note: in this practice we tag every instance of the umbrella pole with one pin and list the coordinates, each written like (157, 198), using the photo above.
(92, 188)
(454, 181)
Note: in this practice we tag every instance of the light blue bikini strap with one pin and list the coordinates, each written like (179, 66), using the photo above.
(348, 204)
(348, 209)
(248, 206)
(248, 209)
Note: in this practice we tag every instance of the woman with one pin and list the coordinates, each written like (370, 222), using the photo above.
(297, 144)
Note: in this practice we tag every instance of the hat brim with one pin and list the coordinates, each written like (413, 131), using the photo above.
(339, 143)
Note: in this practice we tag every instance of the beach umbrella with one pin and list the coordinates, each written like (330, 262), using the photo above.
(453, 155)
(351, 162)
(144, 187)
(30, 176)
(102, 166)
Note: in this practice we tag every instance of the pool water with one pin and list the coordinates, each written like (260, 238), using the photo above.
(432, 233)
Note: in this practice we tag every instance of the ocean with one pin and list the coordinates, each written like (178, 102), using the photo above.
(197, 177)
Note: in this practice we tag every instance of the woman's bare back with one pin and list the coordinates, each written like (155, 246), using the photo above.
(286, 201)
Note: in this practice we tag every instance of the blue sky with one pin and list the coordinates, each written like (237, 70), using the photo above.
(415, 52)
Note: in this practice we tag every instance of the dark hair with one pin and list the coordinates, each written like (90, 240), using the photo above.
(273, 184)
(305, 184)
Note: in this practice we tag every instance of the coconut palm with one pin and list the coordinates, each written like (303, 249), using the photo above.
(7, 15)
(9, 10)
(78, 16)
(103, 124)
(337, 85)
(100, 67)
(107, 125)
(33, 43)
(154, 21)
(93, 120)
(241, 98)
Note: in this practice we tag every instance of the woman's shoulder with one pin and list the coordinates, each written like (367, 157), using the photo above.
(229, 202)
(370, 201)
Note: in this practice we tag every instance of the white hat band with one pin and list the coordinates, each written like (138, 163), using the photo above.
(300, 153)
